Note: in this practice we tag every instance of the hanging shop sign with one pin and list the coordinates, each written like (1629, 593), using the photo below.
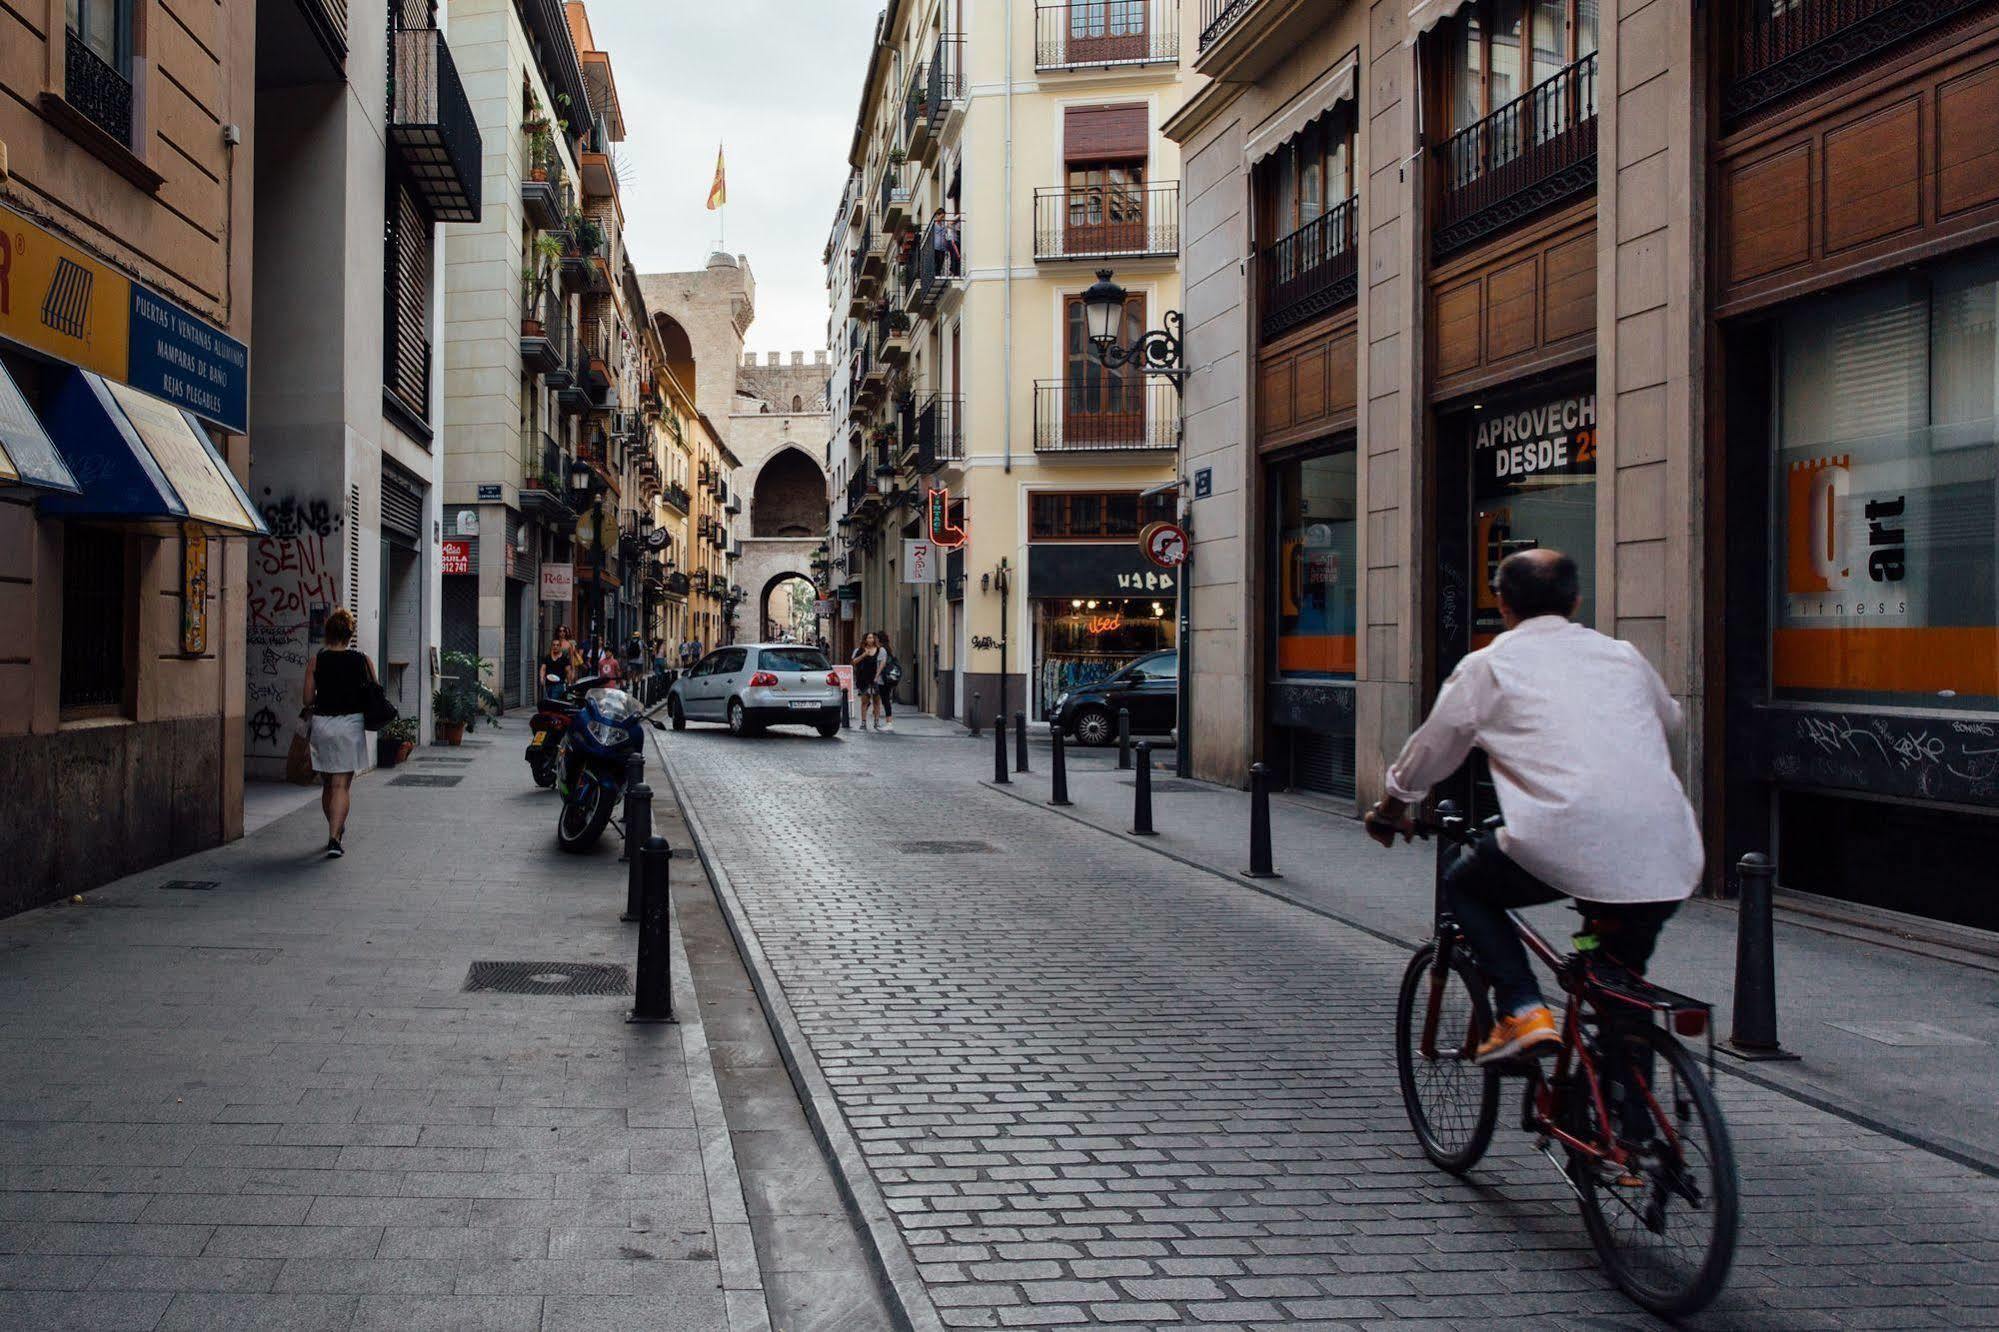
(60, 301)
(558, 582)
(941, 531)
(1094, 569)
(922, 561)
(1165, 544)
(456, 557)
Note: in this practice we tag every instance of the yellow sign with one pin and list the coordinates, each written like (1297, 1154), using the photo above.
(187, 459)
(58, 300)
(193, 591)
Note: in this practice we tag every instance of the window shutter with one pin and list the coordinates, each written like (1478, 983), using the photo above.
(1104, 133)
(408, 280)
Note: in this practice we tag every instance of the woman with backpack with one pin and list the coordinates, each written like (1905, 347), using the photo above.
(888, 674)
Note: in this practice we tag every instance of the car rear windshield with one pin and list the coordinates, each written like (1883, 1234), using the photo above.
(792, 659)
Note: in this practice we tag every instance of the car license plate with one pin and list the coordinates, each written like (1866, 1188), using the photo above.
(801, 703)
(539, 736)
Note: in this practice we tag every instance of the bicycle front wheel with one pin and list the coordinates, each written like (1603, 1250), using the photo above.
(1667, 1239)
(1452, 1102)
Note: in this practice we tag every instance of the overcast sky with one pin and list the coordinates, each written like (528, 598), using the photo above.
(778, 82)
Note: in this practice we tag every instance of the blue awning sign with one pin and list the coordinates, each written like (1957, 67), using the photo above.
(28, 457)
(141, 459)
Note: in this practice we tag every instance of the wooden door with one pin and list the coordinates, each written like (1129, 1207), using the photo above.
(1107, 208)
(1103, 32)
(1101, 407)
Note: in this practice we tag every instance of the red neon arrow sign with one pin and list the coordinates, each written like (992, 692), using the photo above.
(941, 532)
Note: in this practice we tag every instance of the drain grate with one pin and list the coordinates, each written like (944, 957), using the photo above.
(946, 848)
(424, 779)
(1164, 785)
(548, 978)
(192, 885)
(444, 758)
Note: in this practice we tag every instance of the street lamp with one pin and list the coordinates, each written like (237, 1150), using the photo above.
(1159, 352)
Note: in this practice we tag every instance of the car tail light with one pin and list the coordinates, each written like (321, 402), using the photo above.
(833, 679)
(1690, 1021)
(763, 680)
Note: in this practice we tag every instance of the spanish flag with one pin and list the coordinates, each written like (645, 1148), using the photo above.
(718, 193)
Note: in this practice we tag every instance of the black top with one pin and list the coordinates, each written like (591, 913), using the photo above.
(337, 682)
(864, 669)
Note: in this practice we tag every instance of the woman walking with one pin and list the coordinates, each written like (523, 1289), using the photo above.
(866, 661)
(888, 674)
(559, 661)
(335, 681)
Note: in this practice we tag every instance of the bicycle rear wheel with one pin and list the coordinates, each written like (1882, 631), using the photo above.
(1452, 1102)
(1668, 1241)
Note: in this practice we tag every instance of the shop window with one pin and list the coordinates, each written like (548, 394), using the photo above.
(93, 621)
(1317, 585)
(1055, 515)
(1883, 571)
(1081, 640)
(1533, 465)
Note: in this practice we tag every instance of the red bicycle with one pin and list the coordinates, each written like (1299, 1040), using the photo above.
(1645, 1150)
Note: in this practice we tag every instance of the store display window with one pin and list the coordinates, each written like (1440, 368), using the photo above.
(1317, 583)
(1081, 640)
(1533, 465)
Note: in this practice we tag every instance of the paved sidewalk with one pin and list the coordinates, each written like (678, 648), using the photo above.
(1896, 1037)
(270, 1101)
(1070, 1082)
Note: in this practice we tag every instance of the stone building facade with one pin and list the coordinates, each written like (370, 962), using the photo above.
(778, 431)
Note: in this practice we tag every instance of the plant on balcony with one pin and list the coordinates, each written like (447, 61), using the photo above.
(896, 157)
(585, 235)
(541, 144)
(898, 322)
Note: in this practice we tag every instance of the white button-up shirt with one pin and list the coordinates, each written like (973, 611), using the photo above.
(1575, 726)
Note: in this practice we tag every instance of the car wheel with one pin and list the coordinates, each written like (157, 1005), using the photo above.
(1094, 727)
(739, 721)
(674, 714)
(827, 730)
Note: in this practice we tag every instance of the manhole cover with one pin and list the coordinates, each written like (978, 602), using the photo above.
(424, 779)
(1163, 784)
(946, 848)
(548, 978)
(192, 885)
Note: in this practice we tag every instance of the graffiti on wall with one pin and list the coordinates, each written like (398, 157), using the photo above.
(294, 582)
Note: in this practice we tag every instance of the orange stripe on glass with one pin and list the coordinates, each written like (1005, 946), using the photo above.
(1322, 653)
(1889, 659)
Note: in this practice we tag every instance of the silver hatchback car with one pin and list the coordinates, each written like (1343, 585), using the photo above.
(754, 685)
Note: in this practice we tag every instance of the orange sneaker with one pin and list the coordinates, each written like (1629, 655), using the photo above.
(1529, 1033)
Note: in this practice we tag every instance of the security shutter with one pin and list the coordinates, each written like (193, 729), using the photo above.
(510, 669)
(402, 506)
(1104, 133)
(461, 613)
(406, 299)
(1322, 763)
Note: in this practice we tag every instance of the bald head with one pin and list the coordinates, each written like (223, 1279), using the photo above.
(1538, 582)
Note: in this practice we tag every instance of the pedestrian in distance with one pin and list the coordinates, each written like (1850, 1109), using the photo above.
(945, 256)
(336, 679)
(560, 661)
(867, 661)
(887, 676)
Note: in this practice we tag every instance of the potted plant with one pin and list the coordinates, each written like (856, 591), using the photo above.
(460, 696)
(394, 742)
(585, 235)
(541, 144)
(896, 157)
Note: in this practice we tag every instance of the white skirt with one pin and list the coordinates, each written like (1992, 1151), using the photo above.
(339, 744)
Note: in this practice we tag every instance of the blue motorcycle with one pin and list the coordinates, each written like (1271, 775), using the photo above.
(596, 747)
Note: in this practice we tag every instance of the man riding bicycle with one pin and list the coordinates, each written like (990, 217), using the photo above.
(1576, 727)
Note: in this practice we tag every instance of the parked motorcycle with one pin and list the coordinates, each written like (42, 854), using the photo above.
(596, 746)
(559, 705)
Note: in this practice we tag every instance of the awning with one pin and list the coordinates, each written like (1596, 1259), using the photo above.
(27, 455)
(140, 459)
(1336, 87)
(1427, 14)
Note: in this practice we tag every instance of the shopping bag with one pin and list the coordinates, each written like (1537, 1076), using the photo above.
(298, 762)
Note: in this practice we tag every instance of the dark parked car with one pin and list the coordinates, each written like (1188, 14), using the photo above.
(1148, 688)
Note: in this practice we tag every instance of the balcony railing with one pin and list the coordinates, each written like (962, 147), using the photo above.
(1310, 271)
(433, 127)
(1537, 150)
(1781, 46)
(1095, 34)
(939, 431)
(99, 91)
(947, 72)
(1105, 412)
(1107, 221)
(933, 262)
(1218, 16)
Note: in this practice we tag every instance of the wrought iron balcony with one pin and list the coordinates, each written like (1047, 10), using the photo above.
(939, 431)
(1097, 34)
(1782, 46)
(98, 90)
(1105, 412)
(1309, 272)
(1537, 150)
(1107, 221)
(1218, 16)
(934, 264)
(432, 126)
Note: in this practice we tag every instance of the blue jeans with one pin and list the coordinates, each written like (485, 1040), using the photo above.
(1484, 883)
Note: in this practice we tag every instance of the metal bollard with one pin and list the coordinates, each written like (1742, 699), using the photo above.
(1058, 792)
(846, 710)
(1020, 742)
(999, 751)
(635, 777)
(1141, 792)
(972, 714)
(1124, 739)
(652, 993)
(638, 828)
(1754, 1035)
(1259, 824)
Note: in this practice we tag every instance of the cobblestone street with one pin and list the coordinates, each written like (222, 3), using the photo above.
(1072, 1082)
